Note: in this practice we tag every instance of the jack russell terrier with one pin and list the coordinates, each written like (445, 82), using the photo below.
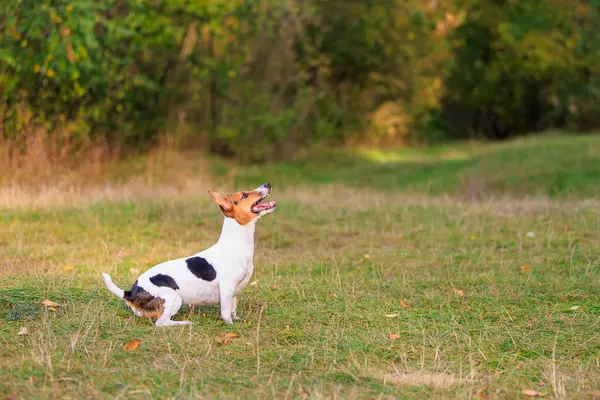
(215, 275)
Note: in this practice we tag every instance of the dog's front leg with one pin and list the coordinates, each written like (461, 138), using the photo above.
(226, 294)
(234, 309)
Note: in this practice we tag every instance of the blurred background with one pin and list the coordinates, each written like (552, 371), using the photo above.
(259, 80)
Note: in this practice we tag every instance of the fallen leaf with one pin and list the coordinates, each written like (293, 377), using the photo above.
(231, 335)
(532, 393)
(131, 346)
(531, 235)
(51, 309)
(565, 228)
(223, 342)
(254, 283)
(391, 315)
(458, 292)
(68, 268)
(49, 303)
(481, 394)
(367, 256)
(574, 308)
(403, 304)
(525, 268)
(23, 331)
(65, 32)
(394, 336)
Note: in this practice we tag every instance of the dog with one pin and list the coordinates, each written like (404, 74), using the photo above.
(213, 276)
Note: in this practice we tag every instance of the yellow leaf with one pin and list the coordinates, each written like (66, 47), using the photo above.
(50, 73)
(231, 335)
(52, 309)
(525, 268)
(403, 304)
(69, 8)
(23, 331)
(36, 69)
(391, 315)
(68, 268)
(49, 303)
(394, 336)
(130, 346)
(532, 393)
(458, 292)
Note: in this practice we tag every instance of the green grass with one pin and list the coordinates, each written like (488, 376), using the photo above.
(491, 307)
(549, 165)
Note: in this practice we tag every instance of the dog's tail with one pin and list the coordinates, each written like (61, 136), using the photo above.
(111, 286)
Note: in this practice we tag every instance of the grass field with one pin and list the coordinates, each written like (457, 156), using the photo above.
(455, 272)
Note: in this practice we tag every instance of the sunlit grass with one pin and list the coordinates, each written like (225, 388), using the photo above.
(411, 155)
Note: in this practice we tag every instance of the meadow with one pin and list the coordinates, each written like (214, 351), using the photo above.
(460, 271)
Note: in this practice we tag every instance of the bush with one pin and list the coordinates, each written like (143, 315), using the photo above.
(257, 80)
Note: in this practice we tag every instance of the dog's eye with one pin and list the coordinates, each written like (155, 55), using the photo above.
(244, 195)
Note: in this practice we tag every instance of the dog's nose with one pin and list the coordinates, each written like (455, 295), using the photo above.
(267, 185)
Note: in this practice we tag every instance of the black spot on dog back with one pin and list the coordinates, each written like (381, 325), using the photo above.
(164, 280)
(201, 268)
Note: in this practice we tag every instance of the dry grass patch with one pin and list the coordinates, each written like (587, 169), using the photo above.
(438, 380)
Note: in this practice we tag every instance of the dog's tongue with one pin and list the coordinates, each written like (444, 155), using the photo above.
(264, 206)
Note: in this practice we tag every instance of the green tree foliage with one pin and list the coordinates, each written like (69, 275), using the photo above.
(521, 66)
(258, 79)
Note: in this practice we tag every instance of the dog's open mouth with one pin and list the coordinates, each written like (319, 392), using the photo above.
(259, 207)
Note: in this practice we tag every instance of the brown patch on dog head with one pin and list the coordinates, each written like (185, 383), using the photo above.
(238, 206)
(147, 305)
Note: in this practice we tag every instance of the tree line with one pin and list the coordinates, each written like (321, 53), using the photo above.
(257, 79)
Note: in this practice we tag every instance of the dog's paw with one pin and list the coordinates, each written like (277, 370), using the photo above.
(235, 317)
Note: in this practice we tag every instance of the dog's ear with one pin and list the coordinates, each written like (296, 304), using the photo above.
(221, 201)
